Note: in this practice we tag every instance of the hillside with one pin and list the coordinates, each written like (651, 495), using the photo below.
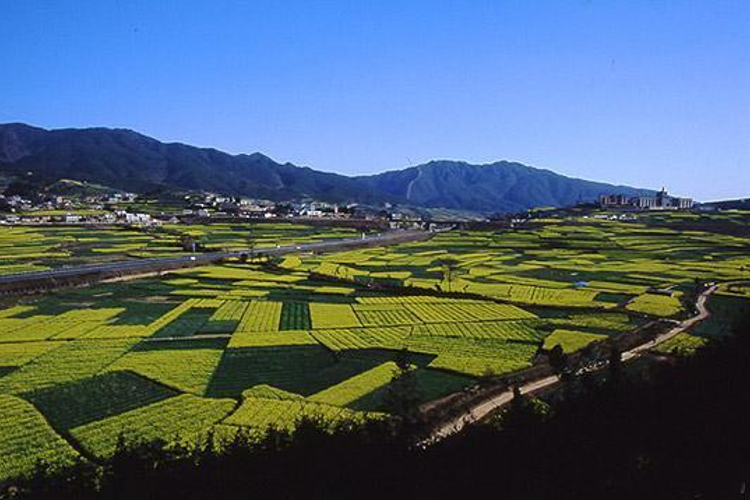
(501, 186)
(127, 160)
(740, 204)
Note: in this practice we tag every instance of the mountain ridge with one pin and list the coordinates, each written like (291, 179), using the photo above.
(125, 159)
(499, 186)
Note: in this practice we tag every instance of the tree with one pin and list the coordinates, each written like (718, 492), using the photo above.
(449, 270)
(188, 242)
(250, 244)
(523, 413)
(402, 398)
(615, 366)
(558, 360)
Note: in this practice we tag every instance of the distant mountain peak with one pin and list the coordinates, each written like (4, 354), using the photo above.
(125, 159)
(502, 186)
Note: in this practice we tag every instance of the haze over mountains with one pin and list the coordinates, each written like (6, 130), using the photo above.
(130, 161)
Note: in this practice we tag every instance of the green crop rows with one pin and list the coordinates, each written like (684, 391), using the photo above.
(238, 346)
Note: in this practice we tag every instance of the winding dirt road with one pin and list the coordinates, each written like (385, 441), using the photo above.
(484, 408)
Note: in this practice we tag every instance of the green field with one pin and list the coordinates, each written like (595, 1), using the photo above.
(37, 248)
(244, 345)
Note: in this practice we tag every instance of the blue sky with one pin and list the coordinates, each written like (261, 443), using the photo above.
(647, 93)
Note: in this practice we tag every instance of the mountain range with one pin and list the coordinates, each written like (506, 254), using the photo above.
(130, 161)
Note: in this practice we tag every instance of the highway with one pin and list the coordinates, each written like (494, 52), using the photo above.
(196, 259)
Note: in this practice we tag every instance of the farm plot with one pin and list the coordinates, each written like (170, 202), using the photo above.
(467, 311)
(597, 322)
(517, 330)
(535, 295)
(19, 353)
(268, 339)
(70, 324)
(286, 344)
(726, 313)
(363, 338)
(293, 368)
(475, 357)
(88, 400)
(656, 305)
(187, 324)
(295, 316)
(283, 413)
(683, 344)
(75, 360)
(186, 365)
(27, 439)
(178, 419)
(261, 317)
(333, 316)
(430, 385)
(571, 340)
(226, 317)
(358, 386)
(385, 317)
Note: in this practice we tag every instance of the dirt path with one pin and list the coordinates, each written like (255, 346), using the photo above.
(484, 408)
(703, 313)
(481, 410)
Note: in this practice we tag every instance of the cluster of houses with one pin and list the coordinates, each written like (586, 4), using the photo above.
(660, 201)
(119, 208)
(212, 205)
(72, 217)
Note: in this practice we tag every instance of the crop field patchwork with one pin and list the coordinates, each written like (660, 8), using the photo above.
(181, 418)
(27, 439)
(238, 346)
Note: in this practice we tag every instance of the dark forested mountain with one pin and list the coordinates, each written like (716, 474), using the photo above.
(500, 187)
(130, 161)
(740, 204)
(127, 160)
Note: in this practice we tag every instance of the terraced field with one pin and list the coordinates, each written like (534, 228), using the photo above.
(239, 346)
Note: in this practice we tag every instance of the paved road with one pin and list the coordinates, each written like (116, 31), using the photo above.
(132, 266)
(484, 408)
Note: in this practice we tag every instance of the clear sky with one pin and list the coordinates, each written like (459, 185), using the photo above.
(647, 93)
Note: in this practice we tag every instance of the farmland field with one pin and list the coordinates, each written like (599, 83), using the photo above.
(243, 345)
(37, 248)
